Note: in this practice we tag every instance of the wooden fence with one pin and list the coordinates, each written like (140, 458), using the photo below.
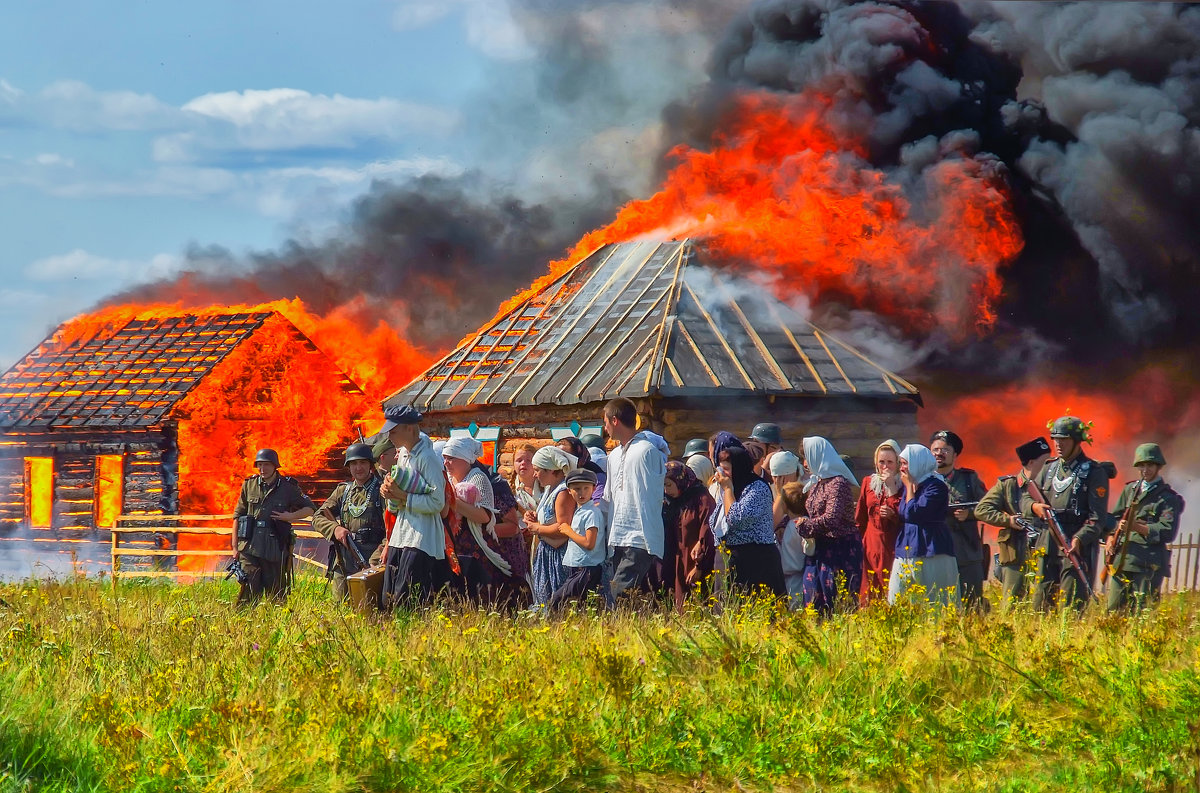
(134, 536)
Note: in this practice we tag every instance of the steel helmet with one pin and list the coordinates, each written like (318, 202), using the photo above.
(267, 456)
(1069, 427)
(695, 446)
(359, 451)
(770, 434)
(1149, 453)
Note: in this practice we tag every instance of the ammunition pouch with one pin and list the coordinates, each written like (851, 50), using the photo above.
(245, 527)
(369, 537)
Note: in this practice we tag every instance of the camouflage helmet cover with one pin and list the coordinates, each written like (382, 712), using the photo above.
(1070, 427)
(1149, 453)
(267, 456)
(359, 451)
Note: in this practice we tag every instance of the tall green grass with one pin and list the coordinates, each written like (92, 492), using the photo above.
(163, 688)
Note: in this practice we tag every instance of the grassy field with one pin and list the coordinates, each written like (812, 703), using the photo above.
(169, 688)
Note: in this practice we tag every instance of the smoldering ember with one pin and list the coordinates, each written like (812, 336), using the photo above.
(745, 319)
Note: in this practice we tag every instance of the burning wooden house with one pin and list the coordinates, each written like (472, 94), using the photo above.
(128, 413)
(695, 350)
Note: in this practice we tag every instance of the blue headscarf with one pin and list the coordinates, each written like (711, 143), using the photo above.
(720, 442)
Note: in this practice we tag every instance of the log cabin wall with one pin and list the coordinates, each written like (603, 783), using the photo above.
(149, 473)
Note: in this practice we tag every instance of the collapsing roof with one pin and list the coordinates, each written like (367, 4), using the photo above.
(640, 319)
(133, 377)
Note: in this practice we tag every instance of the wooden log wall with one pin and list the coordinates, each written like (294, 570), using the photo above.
(149, 473)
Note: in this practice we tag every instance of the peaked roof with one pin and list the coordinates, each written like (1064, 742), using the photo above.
(130, 378)
(635, 319)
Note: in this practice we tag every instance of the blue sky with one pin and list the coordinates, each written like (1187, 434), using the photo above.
(129, 130)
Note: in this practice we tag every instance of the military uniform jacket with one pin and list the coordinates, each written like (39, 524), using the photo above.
(994, 509)
(1078, 492)
(259, 500)
(357, 507)
(965, 485)
(1159, 507)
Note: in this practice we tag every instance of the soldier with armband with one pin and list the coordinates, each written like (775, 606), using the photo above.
(262, 536)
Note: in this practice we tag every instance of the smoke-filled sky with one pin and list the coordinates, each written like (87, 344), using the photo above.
(366, 148)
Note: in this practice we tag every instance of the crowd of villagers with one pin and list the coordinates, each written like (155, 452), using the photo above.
(605, 520)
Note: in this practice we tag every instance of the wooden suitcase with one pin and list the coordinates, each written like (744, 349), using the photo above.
(366, 590)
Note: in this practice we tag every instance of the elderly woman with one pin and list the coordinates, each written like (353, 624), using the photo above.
(556, 508)
(784, 470)
(878, 520)
(476, 544)
(686, 510)
(746, 508)
(833, 570)
(924, 548)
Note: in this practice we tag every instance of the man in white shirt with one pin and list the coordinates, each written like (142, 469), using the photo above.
(418, 541)
(634, 496)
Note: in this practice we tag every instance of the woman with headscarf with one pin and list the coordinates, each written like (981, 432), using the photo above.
(878, 521)
(556, 508)
(924, 548)
(746, 506)
(476, 543)
(784, 468)
(574, 447)
(833, 571)
(686, 510)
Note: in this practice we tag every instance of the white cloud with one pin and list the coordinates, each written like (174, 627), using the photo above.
(287, 119)
(71, 104)
(82, 265)
(52, 159)
(489, 24)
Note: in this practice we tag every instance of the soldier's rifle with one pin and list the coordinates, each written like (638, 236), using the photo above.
(964, 505)
(235, 570)
(1111, 554)
(1060, 537)
(351, 554)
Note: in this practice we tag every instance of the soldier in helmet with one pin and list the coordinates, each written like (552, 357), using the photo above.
(1075, 488)
(262, 539)
(1137, 550)
(352, 518)
(965, 487)
(695, 446)
(771, 437)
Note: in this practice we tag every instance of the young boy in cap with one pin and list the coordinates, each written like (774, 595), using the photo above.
(1001, 507)
(587, 548)
(1137, 550)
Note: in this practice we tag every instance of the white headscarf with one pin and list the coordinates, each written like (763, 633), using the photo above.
(464, 447)
(823, 462)
(783, 463)
(599, 457)
(877, 483)
(438, 446)
(921, 462)
(702, 467)
(552, 458)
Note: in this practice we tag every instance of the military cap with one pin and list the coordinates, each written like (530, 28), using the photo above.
(770, 434)
(949, 437)
(695, 446)
(382, 447)
(1068, 427)
(400, 414)
(359, 451)
(267, 456)
(592, 441)
(578, 475)
(1149, 453)
(1028, 452)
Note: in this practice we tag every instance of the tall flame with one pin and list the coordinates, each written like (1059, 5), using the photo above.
(787, 193)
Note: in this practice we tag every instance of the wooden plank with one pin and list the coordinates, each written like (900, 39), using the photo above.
(720, 336)
(776, 369)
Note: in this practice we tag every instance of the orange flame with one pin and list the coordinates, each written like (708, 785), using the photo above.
(271, 391)
(110, 479)
(786, 191)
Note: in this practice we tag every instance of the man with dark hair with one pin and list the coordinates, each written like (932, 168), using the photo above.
(1001, 507)
(418, 541)
(262, 519)
(965, 487)
(634, 495)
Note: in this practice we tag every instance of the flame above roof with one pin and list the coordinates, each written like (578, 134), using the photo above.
(636, 319)
(130, 378)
